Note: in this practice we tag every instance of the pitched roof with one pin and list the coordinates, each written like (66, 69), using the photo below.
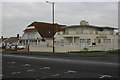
(91, 26)
(2, 39)
(46, 29)
(11, 39)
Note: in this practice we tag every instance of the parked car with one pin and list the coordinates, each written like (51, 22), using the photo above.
(13, 47)
(20, 47)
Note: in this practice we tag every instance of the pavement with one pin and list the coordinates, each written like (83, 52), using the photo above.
(24, 66)
(0, 65)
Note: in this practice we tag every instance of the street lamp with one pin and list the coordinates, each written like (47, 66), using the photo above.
(53, 22)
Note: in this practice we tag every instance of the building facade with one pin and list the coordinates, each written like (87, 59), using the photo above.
(40, 34)
(88, 37)
(83, 37)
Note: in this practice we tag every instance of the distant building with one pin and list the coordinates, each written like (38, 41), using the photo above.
(2, 41)
(39, 33)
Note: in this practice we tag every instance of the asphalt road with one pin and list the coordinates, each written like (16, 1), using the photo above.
(41, 67)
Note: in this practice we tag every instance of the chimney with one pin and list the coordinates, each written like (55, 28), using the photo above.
(17, 35)
(1, 37)
(83, 22)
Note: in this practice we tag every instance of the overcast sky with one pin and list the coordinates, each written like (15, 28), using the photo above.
(16, 16)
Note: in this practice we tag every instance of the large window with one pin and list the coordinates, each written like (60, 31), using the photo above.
(85, 41)
(107, 40)
(31, 35)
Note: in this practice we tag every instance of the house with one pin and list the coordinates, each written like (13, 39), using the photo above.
(87, 37)
(2, 41)
(12, 40)
(81, 37)
(40, 33)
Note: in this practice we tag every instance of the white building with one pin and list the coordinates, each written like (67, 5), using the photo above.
(40, 34)
(71, 38)
(87, 37)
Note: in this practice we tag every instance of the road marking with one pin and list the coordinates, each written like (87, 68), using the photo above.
(55, 75)
(65, 60)
(31, 70)
(15, 72)
(26, 65)
(13, 62)
(70, 71)
(104, 76)
(45, 68)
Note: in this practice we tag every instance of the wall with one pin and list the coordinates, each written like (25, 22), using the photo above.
(36, 35)
(68, 48)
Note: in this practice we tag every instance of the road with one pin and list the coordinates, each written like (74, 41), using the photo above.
(41, 67)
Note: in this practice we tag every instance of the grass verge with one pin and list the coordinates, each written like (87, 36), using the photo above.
(85, 51)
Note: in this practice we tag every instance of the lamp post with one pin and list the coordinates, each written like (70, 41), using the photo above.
(53, 22)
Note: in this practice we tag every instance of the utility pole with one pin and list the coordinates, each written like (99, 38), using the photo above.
(53, 22)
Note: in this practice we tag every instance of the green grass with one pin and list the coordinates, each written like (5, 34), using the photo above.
(108, 52)
(113, 52)
(85, 51)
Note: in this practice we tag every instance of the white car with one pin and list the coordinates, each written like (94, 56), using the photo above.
(20, 46)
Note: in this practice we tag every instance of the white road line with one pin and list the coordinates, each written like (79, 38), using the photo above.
(55, 75)
(31, 70)
(45, 68)
(70, 71)
(13, 62)
(15, 72)
(65, 60)
(26, 65)
(104, 76)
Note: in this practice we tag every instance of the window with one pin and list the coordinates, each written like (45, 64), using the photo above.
(99, 40)
(74, 29)
(31, 35)
(30, 27)
(88, 40)
(100, 29)
(58, 33)
(111, 32)
(70, 40)
(83, 41)
(62, 41)
(96, 32)
(82, 28)
(107, 40)
(66, 31)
